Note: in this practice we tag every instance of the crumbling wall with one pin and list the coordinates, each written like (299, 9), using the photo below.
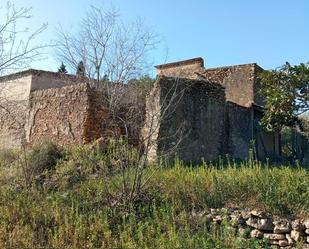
(238, 82)
(97, 123)
(44, 80)
(190, 119)
(184, 69)
(238, 127)
(58, 114)
(14, 94)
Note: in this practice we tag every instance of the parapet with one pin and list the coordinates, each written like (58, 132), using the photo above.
(185, 68)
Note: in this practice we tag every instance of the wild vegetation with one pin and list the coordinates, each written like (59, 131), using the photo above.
(55, 197)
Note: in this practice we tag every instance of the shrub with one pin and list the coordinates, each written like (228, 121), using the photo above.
(7, 157)
(38, 161)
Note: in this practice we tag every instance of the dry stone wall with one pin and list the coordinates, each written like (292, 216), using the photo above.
(276, 231)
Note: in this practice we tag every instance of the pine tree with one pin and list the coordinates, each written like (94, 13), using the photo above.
(62, 68)
(80, 71)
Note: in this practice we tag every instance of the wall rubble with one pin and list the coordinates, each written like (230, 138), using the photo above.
(257, 224)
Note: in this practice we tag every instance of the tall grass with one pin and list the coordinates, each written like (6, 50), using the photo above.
(75, 204)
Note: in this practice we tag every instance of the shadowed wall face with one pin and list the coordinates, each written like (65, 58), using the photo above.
(191, 123)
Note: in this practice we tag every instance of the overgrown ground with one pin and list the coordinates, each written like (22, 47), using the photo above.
(73, 198)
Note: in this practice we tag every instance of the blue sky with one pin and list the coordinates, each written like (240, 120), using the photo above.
(223, 32)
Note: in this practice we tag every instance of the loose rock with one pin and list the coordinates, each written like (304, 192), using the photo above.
(255, 233)
(274, 236)
(296, 235)
(282, 226)
(261, 224)
(259, 214)
(283, 242)
(289, 239)
(297, 225)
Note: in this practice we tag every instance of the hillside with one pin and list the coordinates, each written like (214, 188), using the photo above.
(79, 198)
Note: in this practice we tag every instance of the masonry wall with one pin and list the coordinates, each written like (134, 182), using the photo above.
(238, 82)
(97, 123)
(14, 94)
(267, 143)
(59, 115)
(183, 69)
(190, 122)
(238, 128)
(44, 80)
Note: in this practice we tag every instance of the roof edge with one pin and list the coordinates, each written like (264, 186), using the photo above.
(181, 63)
(37, 72)
(236, 65)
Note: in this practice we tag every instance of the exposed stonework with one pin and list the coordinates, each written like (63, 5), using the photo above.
(192, 119)
(38, 105)
(235, 121)
(188, 119)
(240, 81)
(247, 224)
(66, 115)
(183, 69)
(192, 112)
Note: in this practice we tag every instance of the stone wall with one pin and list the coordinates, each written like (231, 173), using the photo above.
(45, 80)
(278, 231)
(188, 119)
(192, 120)
(184, 69)
(59, 114)
(238, 82)
(238, 130)
(14, 92)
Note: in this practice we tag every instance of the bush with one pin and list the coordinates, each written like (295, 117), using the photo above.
(38, 161)
(7, 157)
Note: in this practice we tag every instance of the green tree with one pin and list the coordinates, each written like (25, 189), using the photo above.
(286, 92)
(62, 68)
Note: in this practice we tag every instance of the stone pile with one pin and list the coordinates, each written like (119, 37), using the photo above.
(281, 232)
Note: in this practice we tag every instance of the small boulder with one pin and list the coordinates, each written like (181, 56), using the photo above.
(255, 233)
(260, 214)
(237, 219)
(283, 243)
(261, 224)
(306, 223)
(282, 226)
(296, 235)
(274, 236)
(290, 240)
(274, 242)
(297, 225)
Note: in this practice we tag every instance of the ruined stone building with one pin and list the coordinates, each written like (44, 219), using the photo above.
(194, 113)
(219, 111)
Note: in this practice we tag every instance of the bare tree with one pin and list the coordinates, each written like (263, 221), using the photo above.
(17, 43)
(146, 116)
(113, 53)
(107, 46)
